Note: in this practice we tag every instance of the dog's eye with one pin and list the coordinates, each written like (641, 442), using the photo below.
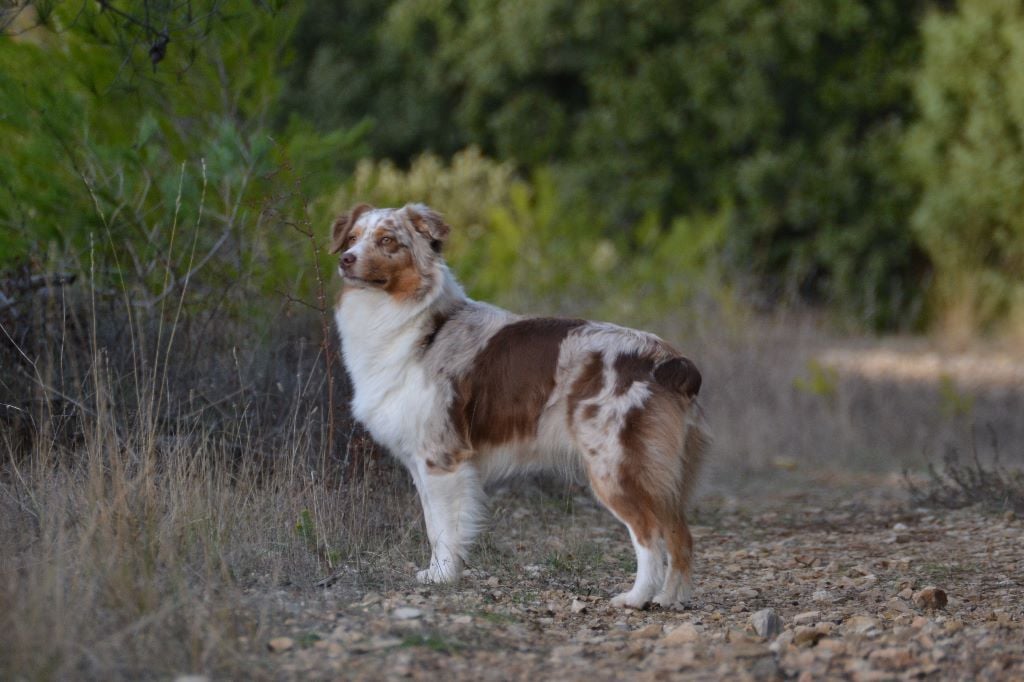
(384, 241)
(351, 239)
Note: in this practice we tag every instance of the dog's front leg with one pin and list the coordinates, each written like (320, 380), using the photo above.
(452, 508)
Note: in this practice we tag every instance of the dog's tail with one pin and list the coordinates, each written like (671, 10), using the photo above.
(679, 374)
(681, 377)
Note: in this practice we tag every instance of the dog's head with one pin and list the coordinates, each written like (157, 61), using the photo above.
(395, 250)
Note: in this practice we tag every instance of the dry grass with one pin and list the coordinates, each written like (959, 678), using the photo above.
(148, 505)
(164, 479)
(960, 484)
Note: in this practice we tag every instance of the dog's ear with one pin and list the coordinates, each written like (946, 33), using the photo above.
(429, 223)
(343, 224)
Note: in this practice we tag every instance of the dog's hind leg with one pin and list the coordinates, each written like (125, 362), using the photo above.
(676, 590)
(642, 526)
(453, 506)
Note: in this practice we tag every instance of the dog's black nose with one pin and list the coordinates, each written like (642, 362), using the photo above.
(347, 260)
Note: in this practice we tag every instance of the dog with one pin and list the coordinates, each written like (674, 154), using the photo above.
(464, 393)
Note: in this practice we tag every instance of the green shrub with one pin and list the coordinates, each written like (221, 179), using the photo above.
(788, 113)
(967, 152)
(521, 243)
(151, 174)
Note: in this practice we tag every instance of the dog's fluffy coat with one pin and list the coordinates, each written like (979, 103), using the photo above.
(464, 393)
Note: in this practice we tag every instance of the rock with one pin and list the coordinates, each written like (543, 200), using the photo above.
(893, 658)
(930, 598)
(822, 595)
(781, 642)
(493, 581)
(806, 635)
(463, 620)
(647, 632)
(191, 678)
(748, 593)
(684, 633)
(766, 623)
(406, 613)
(279, 644)
(860, 624)
(906, 593)
(578, 606)
(807, 617)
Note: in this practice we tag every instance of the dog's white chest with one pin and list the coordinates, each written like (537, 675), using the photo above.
(397, 408)
(392, 395)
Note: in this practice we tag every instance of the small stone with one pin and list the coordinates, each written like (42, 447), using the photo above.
(906, 593)
(1009, 516)
(930, 598)
(781, 642)
(191, 678)
(684, 633)
(279, 644)
(821, 595)
(860, 624)
(578, 606)
(899, 526)
(766, 623)
(807, 617)
(463, 620)
(406, 613)
(493, 581)
(893, 658)
(805, 635)
(748, 593)
(647, 632)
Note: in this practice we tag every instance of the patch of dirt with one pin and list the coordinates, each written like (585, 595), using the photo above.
(848, 581)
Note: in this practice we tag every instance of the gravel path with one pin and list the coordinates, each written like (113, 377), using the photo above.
(799, 587)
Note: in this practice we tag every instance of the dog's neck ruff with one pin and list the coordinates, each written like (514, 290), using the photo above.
(379, 334)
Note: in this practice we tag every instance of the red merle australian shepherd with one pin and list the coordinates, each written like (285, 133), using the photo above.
(464, 393)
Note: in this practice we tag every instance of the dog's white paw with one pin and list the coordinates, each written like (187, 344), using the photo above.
(431, 576)
(673, 601)
(629, 600)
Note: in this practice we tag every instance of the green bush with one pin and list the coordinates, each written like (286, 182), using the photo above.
(967, 152)
(790, 113)
(152, 172)
(520, 243)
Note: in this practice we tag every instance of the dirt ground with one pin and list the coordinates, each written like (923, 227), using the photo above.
(795, 579)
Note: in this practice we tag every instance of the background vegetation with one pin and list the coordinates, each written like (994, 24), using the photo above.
(863, 157)
(174, 442)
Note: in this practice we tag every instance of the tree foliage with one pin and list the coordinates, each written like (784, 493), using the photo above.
(133, 164)
(832, 152)
(790, 112)
(967, 151)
